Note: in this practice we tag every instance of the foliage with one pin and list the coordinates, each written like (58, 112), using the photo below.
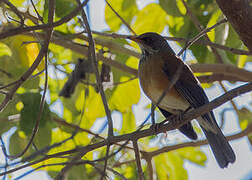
(85, 108)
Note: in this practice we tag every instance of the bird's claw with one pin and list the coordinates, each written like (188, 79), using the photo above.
(155, 127)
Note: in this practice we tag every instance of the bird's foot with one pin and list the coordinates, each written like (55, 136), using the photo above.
(174, 119)
(155, 127)
(178, 119)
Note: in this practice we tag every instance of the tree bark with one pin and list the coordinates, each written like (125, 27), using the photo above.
(239, 14)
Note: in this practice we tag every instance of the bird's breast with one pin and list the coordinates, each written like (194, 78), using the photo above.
(154, 82)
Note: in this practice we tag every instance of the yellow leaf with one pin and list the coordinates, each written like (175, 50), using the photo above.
(24, 50)
(213, 20)
(152, 18)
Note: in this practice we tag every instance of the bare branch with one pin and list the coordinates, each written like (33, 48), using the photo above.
(20, 30)
(243, 133)
(226, 69)
(120, 17)
(138, 160)
(16, 11)
(202, 33)
(200, 28)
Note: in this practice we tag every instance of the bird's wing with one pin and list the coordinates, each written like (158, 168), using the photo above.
(188, 86)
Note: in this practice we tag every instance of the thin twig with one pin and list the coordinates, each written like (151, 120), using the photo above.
(34, 7)
(148, 132)
(179, 39)
(92, 56)
(91, 52)
(19, 30)
(15, 10)
(200, 28)
(198, 36)
(138, 160)
(165, 149)
(226, 69)
(243, 133)
(120, 17)
(41, 107)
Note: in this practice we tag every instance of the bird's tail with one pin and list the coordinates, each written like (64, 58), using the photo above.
(222, 150)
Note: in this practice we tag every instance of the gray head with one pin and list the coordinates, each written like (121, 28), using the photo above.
(150, 42)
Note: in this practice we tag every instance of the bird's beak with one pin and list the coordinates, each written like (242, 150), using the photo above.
(134, 38)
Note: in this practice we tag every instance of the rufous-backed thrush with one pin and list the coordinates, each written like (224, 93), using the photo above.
(157, 66)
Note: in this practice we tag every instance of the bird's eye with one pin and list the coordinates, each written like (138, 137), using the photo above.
(147, 40)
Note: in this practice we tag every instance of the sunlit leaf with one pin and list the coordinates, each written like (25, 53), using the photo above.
(170, 7)
(18, 3)
(242, 61)
(152, 18)
(193, 154)
(23, 54)
(170, 166)
(129, 122)
(245, 117)
(126, 9)
(125, 95)
(213, 20)
(5, 50)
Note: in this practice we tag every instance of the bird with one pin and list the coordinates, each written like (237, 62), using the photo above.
(157, 66)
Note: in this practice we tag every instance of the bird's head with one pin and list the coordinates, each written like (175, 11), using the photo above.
(149, 42)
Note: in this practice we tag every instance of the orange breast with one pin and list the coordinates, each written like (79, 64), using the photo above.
(154, 81)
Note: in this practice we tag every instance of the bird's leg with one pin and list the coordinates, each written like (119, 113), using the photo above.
(153, 114)
(176, 118)
(154, 126)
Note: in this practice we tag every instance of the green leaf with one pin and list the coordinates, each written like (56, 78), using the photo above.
(18, 3)
(245, 117)
(125, 95)
(77, 173)
(170, 166)
(43, 136)
(32, 83)
(129, 122)
(193, 154)
(152, 18)
(30, 111)
(5, 50)
(45, 12)
(17, 143)
(242, 61)
(95, 108)
(22, 55)
(181, 27)
(10, 108)
(233, 41)
(126, 9)
(60, 53)
(212, 21)
(64, 7)
(170, 7)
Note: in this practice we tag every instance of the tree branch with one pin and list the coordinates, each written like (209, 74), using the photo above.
(239, 14)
